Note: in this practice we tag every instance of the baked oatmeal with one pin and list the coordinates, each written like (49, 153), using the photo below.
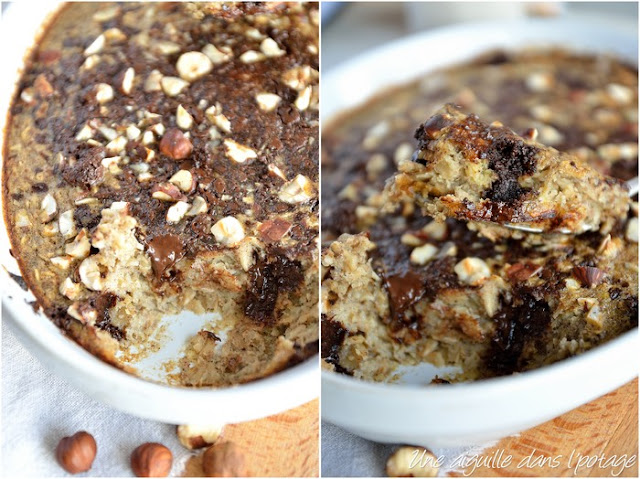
(472, 171)
(163, 158)
(401, 289)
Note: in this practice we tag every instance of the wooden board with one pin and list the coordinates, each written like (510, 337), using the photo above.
(605, 427)
(284, 445)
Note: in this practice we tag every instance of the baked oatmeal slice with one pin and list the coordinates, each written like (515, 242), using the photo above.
(469, 170)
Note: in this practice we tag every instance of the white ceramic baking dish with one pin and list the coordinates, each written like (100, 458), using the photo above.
(20, 25)
(470, 413)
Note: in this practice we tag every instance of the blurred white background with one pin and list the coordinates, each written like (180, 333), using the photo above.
(357, 26)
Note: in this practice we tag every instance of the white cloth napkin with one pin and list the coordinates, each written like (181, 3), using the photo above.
(347, 455)
(39, 408)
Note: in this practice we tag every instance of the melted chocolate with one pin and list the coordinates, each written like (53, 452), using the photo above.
(333, 335)
(164, 251)
(102, 303)
(270, 277)
(510, 158)
(518, 324)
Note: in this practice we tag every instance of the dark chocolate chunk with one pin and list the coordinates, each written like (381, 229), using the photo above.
(102, 303)
(332, 335)
(269, 277)
(510, 158)
(164, 251)
(517, 325)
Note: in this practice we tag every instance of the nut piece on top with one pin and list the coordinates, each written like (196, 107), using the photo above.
(224, 460)
(76, 453)
(410, 461)
(151, 459)
(175, 145)
(470, 170)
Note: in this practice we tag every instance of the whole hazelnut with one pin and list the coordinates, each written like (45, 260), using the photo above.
(76, 453)
(175, 145)
(224, 460)
(151, 459)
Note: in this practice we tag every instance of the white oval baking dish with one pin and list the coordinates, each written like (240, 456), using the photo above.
(20, 25)
(470, 413)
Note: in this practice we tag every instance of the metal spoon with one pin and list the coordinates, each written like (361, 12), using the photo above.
(632, 186)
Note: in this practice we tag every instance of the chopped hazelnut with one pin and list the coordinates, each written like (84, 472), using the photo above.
(133, 132)
(106, 14)
(298, 78)
(403, 152)
(80, 247)
(304, 99)
(251, 56)
(183, 179)
(96, 46)
(62, 262)
(588, 275)
(421, 255)
(198, 207)
(167, 192)
(70, 290)
(274, 170)
(176, 212)
(228, 231)
(183, 119)
(67, 225)
(217, 55)
(50, 230)
(436, 230)
(165, 47)
(193, 65)
(153, 81)
(104, 93)
(267, 101)
(271, 48)
(114, 35)
(472, 271)
(274, 230)
(620, 93)
(90, 274)
(172, 86)
(49, 207)
(631, 233)
(298, 190)
(127, 81)
(237, 152)
(222, 122)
